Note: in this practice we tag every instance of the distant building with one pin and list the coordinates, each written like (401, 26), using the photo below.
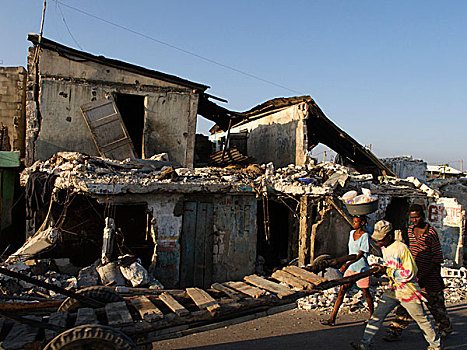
(405, 166)
(442, 172)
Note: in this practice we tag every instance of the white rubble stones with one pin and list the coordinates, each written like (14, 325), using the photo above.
(354, 301)
(86, 174)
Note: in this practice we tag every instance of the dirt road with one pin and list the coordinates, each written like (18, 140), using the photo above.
(296, 329)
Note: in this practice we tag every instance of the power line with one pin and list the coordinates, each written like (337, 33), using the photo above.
(66, 25)
(180, 49)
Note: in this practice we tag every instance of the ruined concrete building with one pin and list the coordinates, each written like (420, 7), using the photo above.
(12, 108)
(129, 111)
(194, 226)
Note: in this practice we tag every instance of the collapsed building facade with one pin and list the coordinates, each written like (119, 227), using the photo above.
(195, 226)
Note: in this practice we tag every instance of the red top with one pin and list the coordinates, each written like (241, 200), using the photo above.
(428, 256)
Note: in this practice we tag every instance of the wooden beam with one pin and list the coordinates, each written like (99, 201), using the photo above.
(246, 289)
(173, 304)
(291, 280)
(280, 290)
(305, 275)
(231, 293)
(202, 299)
(147, 310)
(118, 314)
(304, 230)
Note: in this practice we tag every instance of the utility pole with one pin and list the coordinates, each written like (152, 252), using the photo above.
(324, 157)
(36, 54)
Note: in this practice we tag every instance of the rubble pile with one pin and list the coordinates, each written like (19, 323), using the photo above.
(46, 270)
(84, 173)
(354, 301)
(126, 271)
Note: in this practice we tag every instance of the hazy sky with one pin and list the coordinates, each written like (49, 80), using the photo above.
(390, 73)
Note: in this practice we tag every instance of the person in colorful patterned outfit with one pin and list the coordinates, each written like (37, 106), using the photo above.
(426, 250)
(399, 266)
(359, 245)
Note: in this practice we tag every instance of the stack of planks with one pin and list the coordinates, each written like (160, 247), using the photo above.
(145, 317)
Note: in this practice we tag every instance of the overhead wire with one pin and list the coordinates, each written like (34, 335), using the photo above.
(66, 25)
(179, 49)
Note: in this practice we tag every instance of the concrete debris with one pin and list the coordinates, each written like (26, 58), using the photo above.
(40, 242)
(110, 274)
(354, 301)
(85, 174)
(135, 273)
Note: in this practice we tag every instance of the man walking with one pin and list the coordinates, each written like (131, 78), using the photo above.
(426, 250)
(400, 268)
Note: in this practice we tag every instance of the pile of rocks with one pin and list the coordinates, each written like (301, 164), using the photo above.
(57, 273)
(84, 173)
(354, 301)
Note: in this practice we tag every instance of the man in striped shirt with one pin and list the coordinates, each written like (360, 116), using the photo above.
(426, 250)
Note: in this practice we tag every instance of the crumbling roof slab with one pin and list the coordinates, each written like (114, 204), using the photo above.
(68, 52)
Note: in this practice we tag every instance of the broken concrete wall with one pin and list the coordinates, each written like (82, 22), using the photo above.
(278, 137)
(56, 123)
(404, 167)
(332, 234)
(447, 216)
(233, 228)
(12, 108)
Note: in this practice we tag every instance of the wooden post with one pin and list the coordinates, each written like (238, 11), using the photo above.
(304, 230)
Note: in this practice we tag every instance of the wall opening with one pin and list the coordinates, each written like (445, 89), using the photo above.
(131, 108)
(274, 250)
(133, 221)
(397, 213)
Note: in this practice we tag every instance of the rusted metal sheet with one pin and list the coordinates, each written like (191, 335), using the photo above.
(108, 130)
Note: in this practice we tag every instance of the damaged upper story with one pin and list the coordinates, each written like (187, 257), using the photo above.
(129, 111)
(285, 130)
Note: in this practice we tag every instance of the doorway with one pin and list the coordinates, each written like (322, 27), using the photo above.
(131, 108)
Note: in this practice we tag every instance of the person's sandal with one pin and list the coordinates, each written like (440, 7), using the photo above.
(327, 323)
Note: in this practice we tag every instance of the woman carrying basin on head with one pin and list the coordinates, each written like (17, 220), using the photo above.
(359, 244)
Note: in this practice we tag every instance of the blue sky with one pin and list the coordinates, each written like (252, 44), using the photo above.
(391, 73)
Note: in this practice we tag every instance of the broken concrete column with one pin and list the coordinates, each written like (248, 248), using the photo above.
(108, 240)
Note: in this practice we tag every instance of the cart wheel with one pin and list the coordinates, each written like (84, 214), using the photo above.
(91, 337)
(99, 293)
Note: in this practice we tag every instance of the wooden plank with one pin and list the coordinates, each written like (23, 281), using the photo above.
(173, 304)
(246, 289)
(118, 314)
(59, 319)
(148, 311)
(187, 242)
(281, 291)
(208, 245)
(21, 335)
(231, 293)
(200, 245)
(86, 315)
(305, 275)
(291, 280)
(202, 299)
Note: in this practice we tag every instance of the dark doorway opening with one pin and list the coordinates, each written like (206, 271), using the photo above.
(133, 221)
(81, 223)
(275, 250)
(397, 213)
(131, 108)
